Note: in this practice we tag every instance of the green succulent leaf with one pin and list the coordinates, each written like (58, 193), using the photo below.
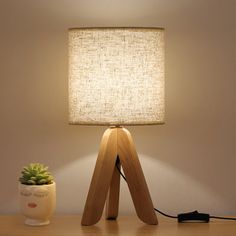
(35, 174)
(42, 181)
(30, 181)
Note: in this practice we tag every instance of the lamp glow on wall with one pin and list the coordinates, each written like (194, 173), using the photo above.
(116, 78)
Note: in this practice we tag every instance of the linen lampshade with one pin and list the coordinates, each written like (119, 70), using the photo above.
(116, 76)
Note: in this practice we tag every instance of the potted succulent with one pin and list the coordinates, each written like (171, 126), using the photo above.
(37, 192)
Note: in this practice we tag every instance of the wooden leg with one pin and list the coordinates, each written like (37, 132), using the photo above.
(112, 202)
(135, 177)
(106, 180)
(101, 178)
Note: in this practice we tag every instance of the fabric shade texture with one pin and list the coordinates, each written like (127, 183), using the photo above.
(116, 76)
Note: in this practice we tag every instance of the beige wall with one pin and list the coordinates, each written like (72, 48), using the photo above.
(189, 162)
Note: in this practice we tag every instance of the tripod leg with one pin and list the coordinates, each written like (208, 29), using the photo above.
(101, 178)
(135, 177)
(112, 202)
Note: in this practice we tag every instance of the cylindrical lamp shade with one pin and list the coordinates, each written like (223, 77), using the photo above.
(116, 76)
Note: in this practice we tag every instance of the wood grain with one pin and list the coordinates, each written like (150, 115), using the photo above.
(105, 182)
(112, 202)
(67, 225)
(101, 178)
(135, 177)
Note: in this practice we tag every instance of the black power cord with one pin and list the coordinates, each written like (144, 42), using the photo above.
(222, 218)
(190, 216)
(160, 212)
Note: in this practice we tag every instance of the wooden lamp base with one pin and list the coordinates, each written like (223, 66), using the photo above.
(117, 147)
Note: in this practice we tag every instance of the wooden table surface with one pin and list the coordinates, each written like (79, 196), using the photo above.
(69, 225)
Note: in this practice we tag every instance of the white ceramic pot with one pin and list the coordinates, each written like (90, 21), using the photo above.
(37, 203)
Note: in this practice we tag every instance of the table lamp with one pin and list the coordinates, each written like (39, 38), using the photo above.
(116, 78)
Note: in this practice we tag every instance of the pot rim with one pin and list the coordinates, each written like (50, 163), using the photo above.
(37, 185)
